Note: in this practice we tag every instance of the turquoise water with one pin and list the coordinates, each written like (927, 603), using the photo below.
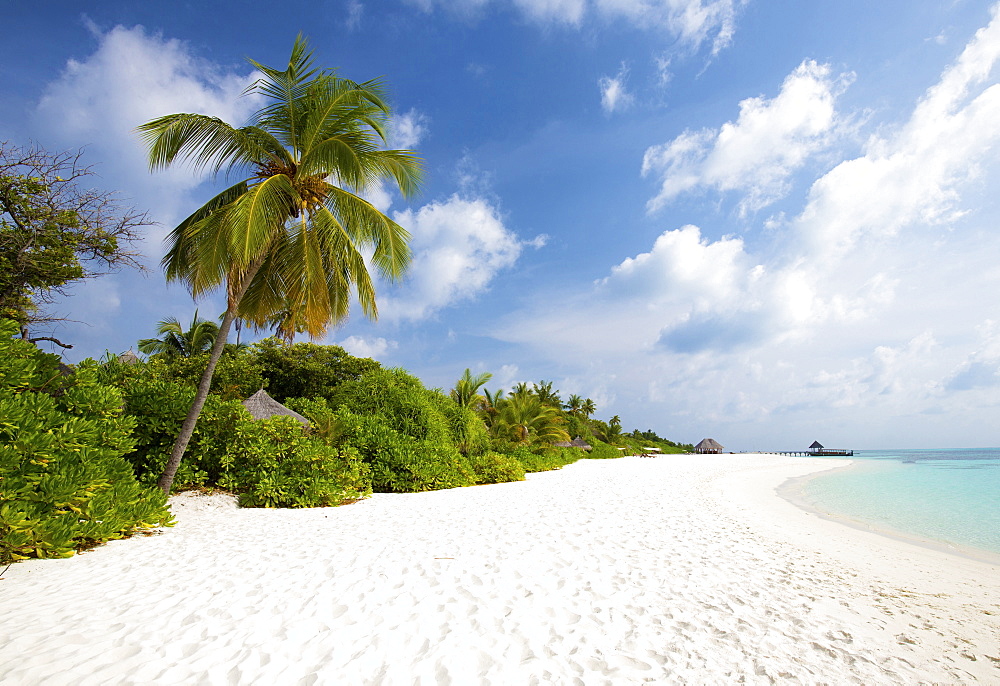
(947, 496)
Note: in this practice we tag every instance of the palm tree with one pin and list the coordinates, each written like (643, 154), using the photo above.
(521, 388)
(524, 418)
(466, 390)
(574, 404)
(294, 233)
(174, 341)
(543, 389)
(588, 408)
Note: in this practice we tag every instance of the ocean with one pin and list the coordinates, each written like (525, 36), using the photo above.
(949, 497)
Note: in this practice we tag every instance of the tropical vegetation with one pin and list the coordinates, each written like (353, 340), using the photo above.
(288, 241)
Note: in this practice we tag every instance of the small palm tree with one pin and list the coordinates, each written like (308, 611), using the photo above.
(466, 390)
(174, 341)
(524, 418)
(574, 404)
(588, 408)
(293, 235)
(543, 389)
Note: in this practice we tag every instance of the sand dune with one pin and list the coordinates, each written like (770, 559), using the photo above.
(677, 569)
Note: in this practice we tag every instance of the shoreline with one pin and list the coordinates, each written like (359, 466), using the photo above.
(678, 569)
(792, 491)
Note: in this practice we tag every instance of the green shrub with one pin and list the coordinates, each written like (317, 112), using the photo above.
(546, 458)
(496, 468)
(401, 463)
(401, 400)
(306, 370)
(159, 408)
(63, 483)
(237, 376)
(274, 463)
(603, 451)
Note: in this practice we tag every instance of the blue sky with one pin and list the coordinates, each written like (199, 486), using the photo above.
(763, 222)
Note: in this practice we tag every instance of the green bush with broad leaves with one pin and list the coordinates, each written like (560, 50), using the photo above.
(545, 458)
(306, 370)
(399, 463)
(159, 408)
(603, 451)
(64, 485)
(494, 468)
(274, 463)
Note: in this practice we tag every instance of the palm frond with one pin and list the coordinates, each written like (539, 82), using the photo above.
(367, 227)
(203, 141)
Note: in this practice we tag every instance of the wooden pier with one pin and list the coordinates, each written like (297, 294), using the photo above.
(825, 452)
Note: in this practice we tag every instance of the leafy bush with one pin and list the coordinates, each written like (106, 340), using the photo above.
(63, 483)
(237, 376)
(306, 370)
(545, 459)
(603, 451)
(160, 408)
(273, 463)
(401, 400)
(471, 435)
(401, 463)
(495, 468)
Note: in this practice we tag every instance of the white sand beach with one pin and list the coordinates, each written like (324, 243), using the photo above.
(668, 570)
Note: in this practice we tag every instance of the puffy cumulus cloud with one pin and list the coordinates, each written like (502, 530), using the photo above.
(692, 22)
(459, 246)
(614, 95)
(375, 348)
(860, 314)
(758, 152)
(132, 77)
(914, 177)
(409, 129)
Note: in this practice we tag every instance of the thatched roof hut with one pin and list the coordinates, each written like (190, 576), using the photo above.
(263, 406)
(709, 445)
(129, 357)
(575, 443)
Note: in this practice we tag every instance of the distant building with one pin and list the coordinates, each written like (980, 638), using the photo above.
(817, 449)
(709, 446)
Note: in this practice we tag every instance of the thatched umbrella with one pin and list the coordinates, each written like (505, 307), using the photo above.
(708, 445)
(263, 406)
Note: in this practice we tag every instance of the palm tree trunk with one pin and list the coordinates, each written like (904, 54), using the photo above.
(166, 479)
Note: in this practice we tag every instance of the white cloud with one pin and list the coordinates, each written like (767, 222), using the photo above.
(459, 246)
(614, 95)
(375, 348)
(914, 177)
(133, 77)
(756, 154)
(355, 11)
(866, 307)
(692, 22)
(408, 130)
(564, 11)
